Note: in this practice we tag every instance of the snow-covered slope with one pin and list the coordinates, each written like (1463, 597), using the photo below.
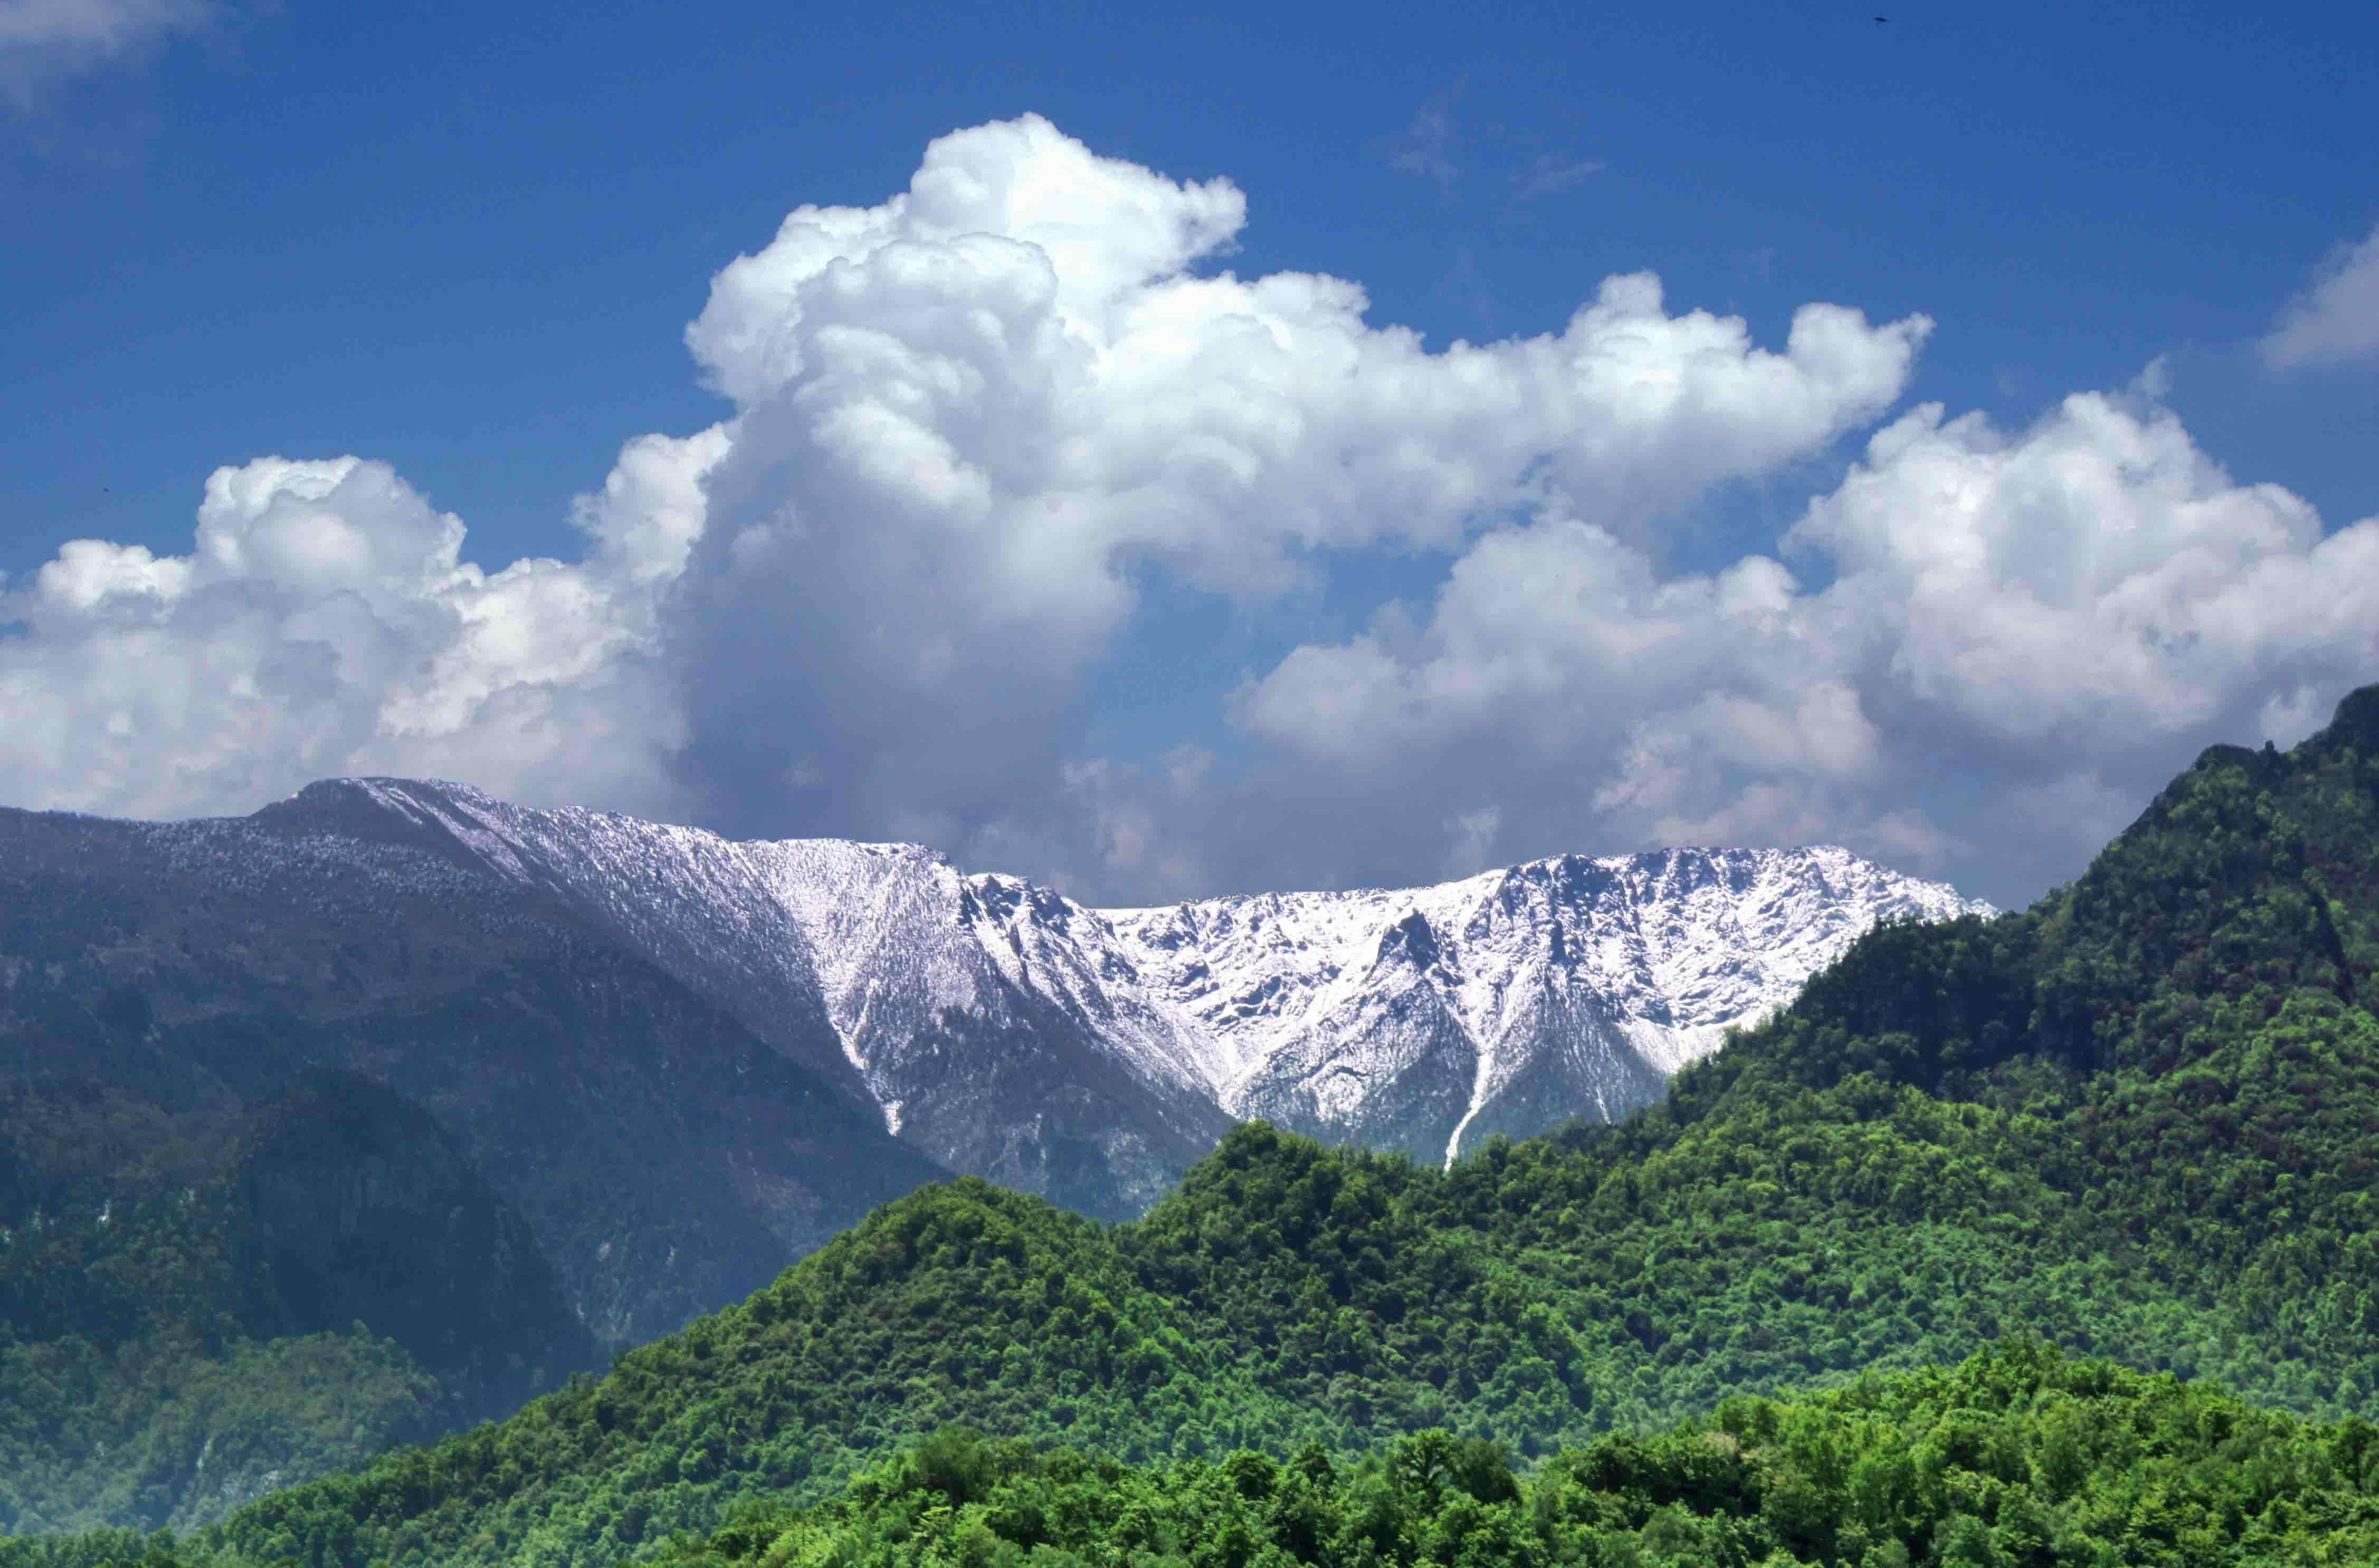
(992, 1024)
(1507, 1001)
(963, 1009)
(705, 909)
(1005, 1030)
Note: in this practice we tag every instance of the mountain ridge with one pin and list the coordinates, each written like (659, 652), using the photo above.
(1506, 1001)
(1732, 934)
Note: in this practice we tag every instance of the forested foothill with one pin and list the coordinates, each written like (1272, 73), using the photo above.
(201, 1303)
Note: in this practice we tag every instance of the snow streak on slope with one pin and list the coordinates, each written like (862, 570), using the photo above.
(1567, 986)
(903, 938)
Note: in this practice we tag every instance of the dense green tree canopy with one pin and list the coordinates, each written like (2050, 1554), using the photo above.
(2018, 1458)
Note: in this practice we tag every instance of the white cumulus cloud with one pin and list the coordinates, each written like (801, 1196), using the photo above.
(974, 422)
(325, 622)
(2336, 319)
(2012, 629)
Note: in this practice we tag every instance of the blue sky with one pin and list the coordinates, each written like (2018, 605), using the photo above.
(467, 243)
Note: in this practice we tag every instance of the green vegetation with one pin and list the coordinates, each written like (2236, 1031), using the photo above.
(2019, 1457)
(162, 1429)
(2134, 1122)
(180, 1296)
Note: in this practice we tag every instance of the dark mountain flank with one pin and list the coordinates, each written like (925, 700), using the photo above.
(201, 1305)
(365, 1211)
(312, 1142)
(2134, 1122)
(665, 1158)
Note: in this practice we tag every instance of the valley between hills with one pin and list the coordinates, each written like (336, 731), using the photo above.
(2031, 1237)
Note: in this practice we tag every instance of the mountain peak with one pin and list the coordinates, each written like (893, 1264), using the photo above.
(2355, 724)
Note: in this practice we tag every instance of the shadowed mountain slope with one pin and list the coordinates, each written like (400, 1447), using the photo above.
(198, 1305)
(665, 1156)
(260, 1086)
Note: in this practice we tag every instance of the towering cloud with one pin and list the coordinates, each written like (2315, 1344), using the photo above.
(971, 413)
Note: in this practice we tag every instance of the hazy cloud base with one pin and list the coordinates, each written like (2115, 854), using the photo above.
(2335, 320)
(971, 420)
(43, 42)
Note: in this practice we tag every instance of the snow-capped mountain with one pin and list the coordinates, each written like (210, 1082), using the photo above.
(1004, 1028)
(688, 1060)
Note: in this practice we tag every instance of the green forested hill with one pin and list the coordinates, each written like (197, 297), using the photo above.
(2016, 1457)
(199, 1304)
(2135, 1121)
